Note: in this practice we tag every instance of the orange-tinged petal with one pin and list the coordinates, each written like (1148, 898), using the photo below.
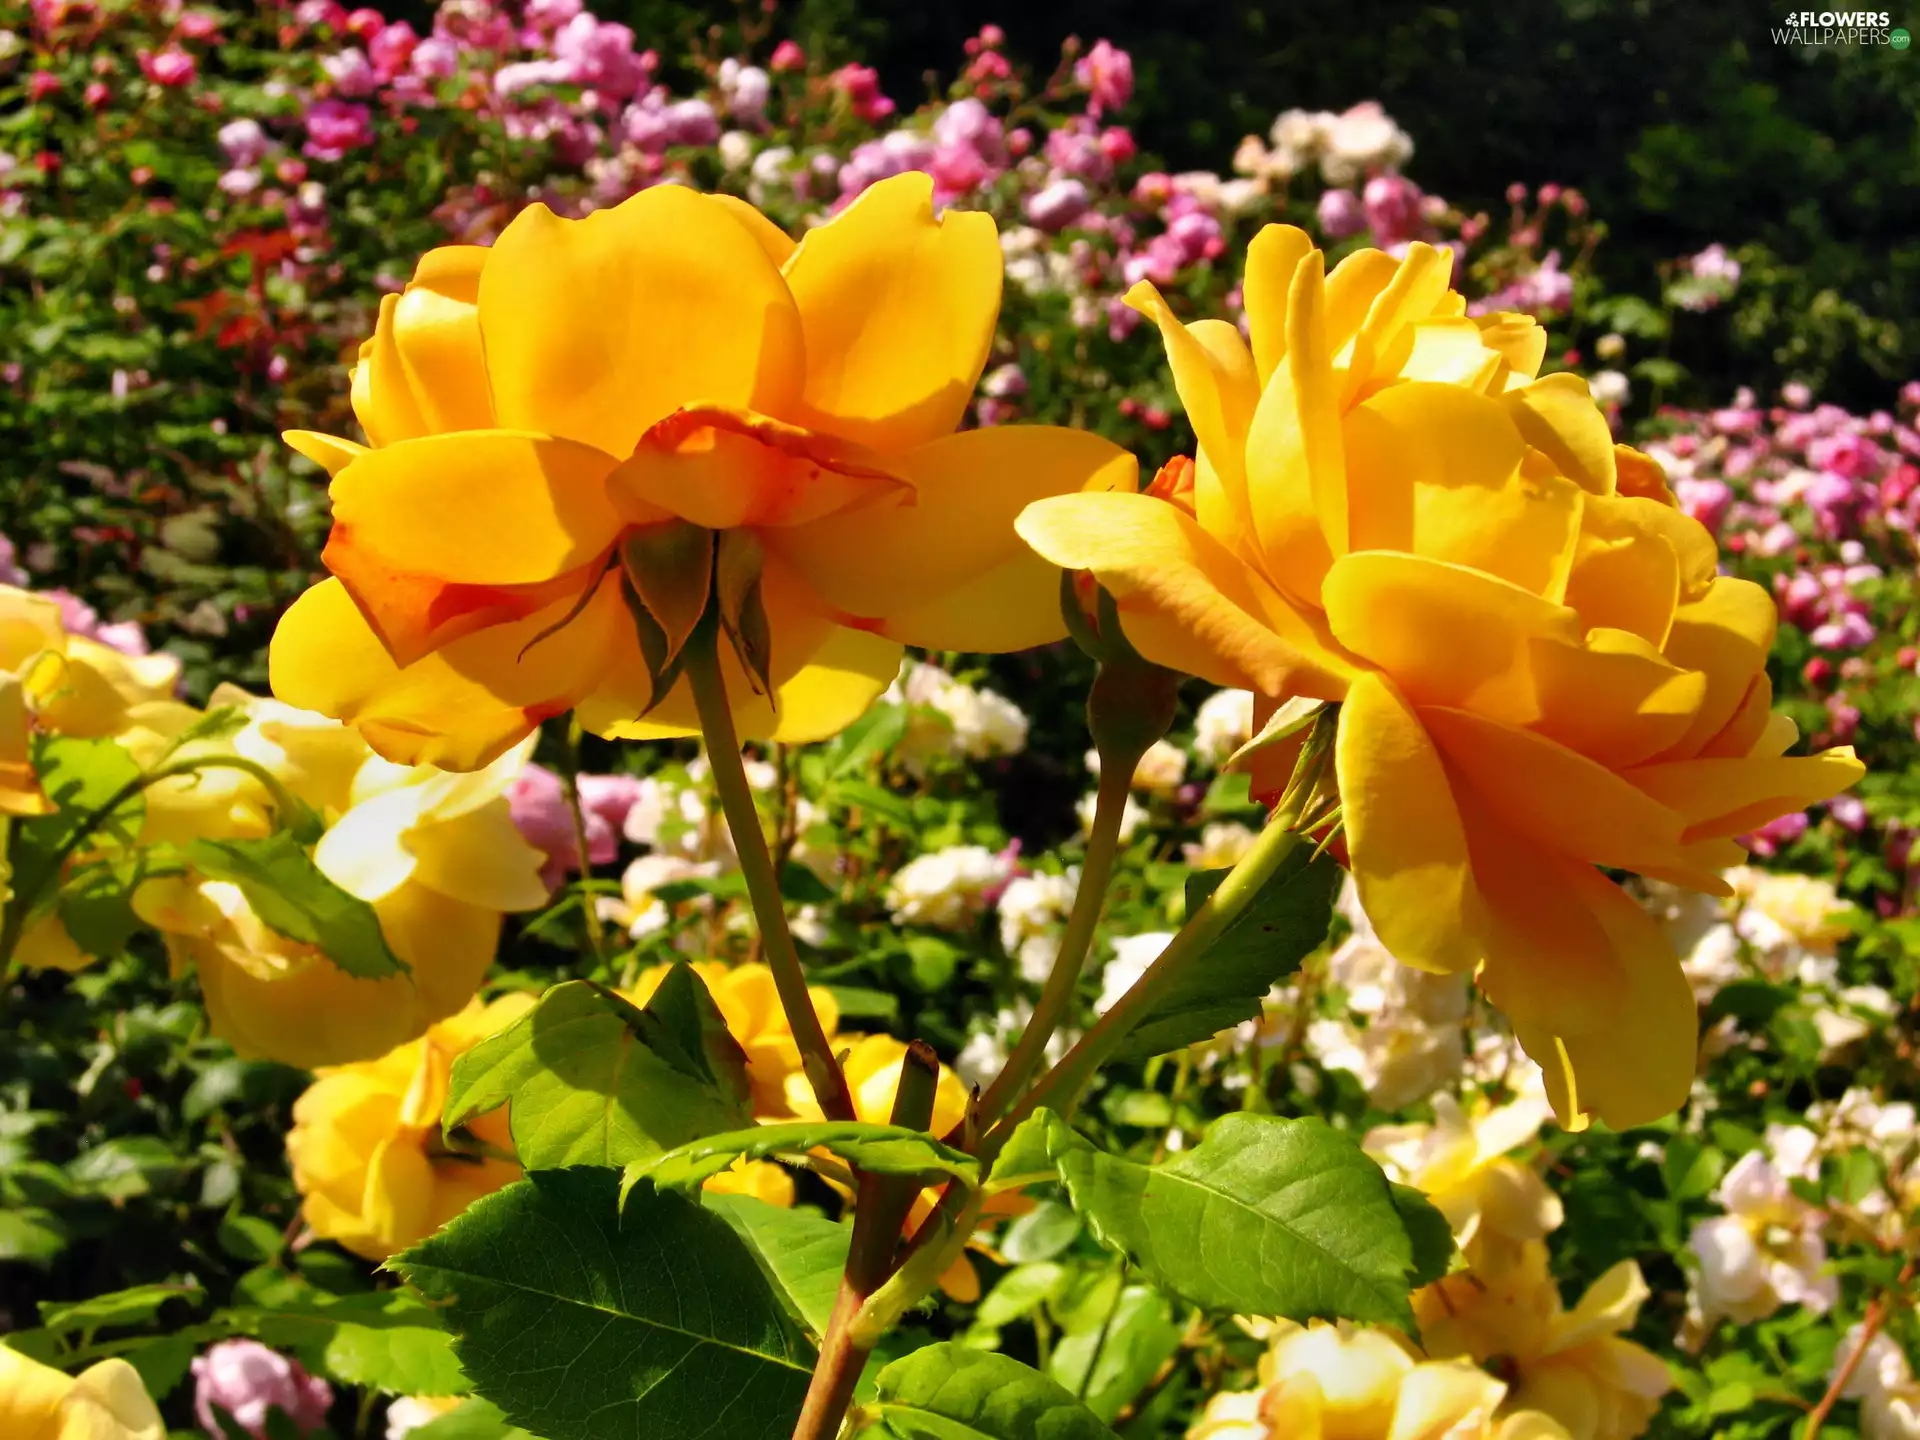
(1446, 634)
(1434, 470)
(1640, 475)
(383, 399)
(1726, 635)
(596, 329)
(1557, 416)
(898, 306)
(329, 452)
(1613, 696)
(1185, 601)
(1624, 1079)
(1296, 470)
(1549, 961)
(897, 556)
(1272, 257)
(461, 706)
(436, 332)
(722, 467)
(1726, 797)
(20, 791)
(1749, 724)
(481, 507)
(415, 614)
(1404, 834)
(1557, 797)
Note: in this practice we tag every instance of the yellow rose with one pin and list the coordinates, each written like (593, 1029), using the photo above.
(1343, 1382)
(1541, 672)
(1494, 1203)
(435, 854)
(64, 684)
(748, 1001)
(106, 1401)
(366, 1148)
(1570, 1364)
(584, 385)
(760, 1179)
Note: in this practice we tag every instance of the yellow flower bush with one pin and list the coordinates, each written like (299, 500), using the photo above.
(366, 1148)
(1570, 1364)
(1495, 1204)
(1540, 672)
(106, 1401)
(749, 1003)
(546, 419)
(436, 855)
(1342, 1382)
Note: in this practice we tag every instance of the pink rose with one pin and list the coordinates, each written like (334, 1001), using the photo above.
(248, 1381)
(171, 66)
(1341, 214)
(334, 127)
(1107, 72)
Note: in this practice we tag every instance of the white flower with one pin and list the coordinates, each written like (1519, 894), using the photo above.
(409, 1413)
(1361, 140)
(736, 150)
(1398, 1059)
(1030, 908)
(1765, 1252)
(1159, 772)
(1131, 818)
(964, 722)
(1222, 725)
(1794, 1151)
(636, 910)
(1132, 954)
(674, 819)
(1610, 387)
(1221, 844)
(947, 889)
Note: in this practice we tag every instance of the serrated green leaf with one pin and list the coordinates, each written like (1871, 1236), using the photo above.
(594, 1080)
(801, 1252)
(1272, 1217)
(881, 1149)
(1266, 942)
(289, 893)
(649, 1320)
(950, 1392)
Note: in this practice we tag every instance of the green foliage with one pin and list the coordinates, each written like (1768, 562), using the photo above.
(649, 1317)
(289, 892)
(801, 1253)
(1264, 1217)
(948, 1392)
(595, 1080)
(1266, 942)
(881, 1149)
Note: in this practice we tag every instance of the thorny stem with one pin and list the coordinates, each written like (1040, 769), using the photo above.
(879, 1212)
(1870, 1324)
(1096, 872)
(756, 865)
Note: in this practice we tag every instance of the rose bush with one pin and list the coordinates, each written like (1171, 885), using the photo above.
(618, 434)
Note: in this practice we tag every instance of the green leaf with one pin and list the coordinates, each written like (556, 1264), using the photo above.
(132, 1165)
(82, 777)
(288, 892)
(137, 1306)
(950, 1392)
(1040, 1234)
(386, 1340)
(874, 799)
(34, 1237)
(1266, 1216)
(802, 886)
(1143, 1334)
(594, 1080)
(874, 733)
(1427, 1231)
(881, 1149)
(801, 1252)
(582, 1320)
(249, 1238)
(1265, 943)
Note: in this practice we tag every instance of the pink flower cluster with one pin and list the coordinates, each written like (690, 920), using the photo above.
(248, 1382)
(539, 806)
